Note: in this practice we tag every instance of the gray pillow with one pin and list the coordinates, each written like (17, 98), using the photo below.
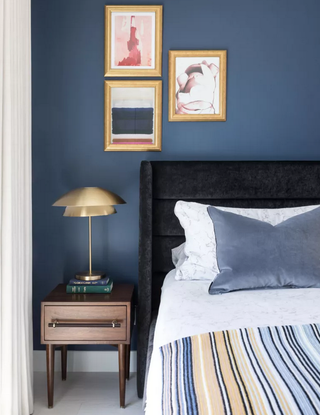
(254, 255)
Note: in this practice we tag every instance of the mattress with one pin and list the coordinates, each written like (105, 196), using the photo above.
(187, 309)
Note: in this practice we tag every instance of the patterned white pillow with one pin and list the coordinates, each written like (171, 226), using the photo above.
(200, 246)
(178, 255)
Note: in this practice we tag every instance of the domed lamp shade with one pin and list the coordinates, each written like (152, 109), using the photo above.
(88, 202)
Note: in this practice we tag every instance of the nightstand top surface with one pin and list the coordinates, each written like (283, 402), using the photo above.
(120, 293)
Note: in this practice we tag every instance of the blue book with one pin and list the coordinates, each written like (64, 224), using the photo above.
(103, 281)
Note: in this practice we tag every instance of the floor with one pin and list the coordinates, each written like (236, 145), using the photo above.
(86, 394)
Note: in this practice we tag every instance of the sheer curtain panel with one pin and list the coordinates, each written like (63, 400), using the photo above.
(15, 209)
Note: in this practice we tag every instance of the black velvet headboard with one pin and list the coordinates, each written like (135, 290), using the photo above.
(254, 184)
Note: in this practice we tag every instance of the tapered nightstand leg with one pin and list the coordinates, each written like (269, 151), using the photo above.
(64, 362)
(50, 373)
(127, 361)
(122, 373)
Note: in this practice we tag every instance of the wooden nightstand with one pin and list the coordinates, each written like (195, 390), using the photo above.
(87, 319)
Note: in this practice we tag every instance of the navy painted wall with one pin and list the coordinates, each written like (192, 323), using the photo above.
(273, 82)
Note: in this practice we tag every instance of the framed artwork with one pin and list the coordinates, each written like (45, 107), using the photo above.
(133, 40)
(132, 115)
(197, 85)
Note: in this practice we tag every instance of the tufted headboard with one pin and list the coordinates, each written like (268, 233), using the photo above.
(254, 184)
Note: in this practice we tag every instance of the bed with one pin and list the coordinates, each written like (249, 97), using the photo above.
(260, 184)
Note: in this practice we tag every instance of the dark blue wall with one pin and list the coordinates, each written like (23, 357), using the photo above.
(273, 89)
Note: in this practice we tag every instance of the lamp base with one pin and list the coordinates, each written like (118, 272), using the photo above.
(90, 276)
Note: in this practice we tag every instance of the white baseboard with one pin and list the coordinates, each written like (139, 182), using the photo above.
(84, 361)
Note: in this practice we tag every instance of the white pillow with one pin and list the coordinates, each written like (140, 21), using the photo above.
(200, 245)
(178, 255)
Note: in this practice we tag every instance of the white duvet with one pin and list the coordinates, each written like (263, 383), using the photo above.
(186, 309)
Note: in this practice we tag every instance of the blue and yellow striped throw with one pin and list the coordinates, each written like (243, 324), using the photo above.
(269, 370)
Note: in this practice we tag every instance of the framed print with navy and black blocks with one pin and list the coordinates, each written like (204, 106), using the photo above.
(133, 115)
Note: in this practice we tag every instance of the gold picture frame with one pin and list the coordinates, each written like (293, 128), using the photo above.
(127, 28)
(193, 97)
(133, 115)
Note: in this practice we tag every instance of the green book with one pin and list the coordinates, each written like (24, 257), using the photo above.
(90, 289)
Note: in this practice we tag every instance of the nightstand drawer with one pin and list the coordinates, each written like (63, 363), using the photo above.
(85, 323)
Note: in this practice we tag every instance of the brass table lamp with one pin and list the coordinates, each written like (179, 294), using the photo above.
(88, 202)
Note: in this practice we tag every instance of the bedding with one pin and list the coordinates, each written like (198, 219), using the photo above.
(186, 310)
(267, 370)
(200, 248)
(253, 254)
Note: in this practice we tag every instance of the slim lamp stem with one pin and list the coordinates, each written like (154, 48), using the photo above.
(90, 256)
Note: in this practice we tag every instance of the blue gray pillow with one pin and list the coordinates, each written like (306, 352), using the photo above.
(252, 254)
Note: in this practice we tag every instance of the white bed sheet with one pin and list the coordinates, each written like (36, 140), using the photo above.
(186, 309)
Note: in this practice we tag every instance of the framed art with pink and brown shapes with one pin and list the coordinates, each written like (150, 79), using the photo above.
(133, 40)
(197, 85)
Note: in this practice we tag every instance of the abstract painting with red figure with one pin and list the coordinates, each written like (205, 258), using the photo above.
(133, 41)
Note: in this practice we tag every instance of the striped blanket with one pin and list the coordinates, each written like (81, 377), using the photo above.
(270, 370)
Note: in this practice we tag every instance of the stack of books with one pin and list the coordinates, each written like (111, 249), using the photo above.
(103, 286)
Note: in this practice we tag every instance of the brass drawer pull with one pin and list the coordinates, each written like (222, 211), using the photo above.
(56, 324)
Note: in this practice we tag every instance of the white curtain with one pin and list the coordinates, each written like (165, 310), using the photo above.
(15, 209)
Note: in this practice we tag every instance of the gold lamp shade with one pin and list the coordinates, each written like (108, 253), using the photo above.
(88, 202)
(85, 211)
(89, 196)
